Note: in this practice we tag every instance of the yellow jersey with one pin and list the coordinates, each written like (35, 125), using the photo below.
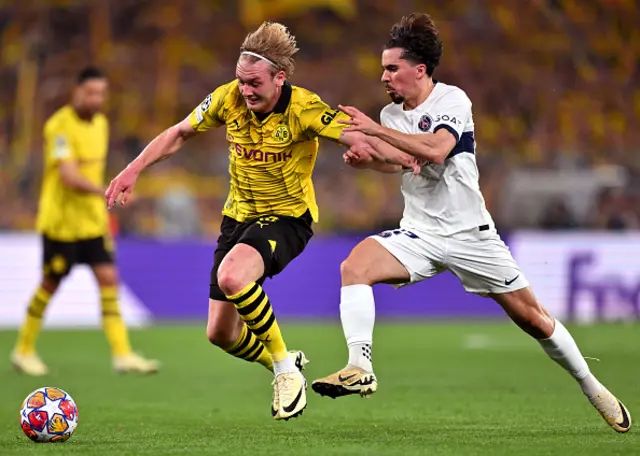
(271, 158)
(65, 214)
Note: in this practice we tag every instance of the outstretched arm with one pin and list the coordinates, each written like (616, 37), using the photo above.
(361, 159)
(431, 147)
(381, 152)
(319, 119)
(205, 116)
(162, 147)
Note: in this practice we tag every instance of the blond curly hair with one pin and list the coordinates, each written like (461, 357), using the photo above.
(273, 41)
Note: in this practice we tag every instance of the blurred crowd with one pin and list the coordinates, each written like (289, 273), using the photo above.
(553, 85)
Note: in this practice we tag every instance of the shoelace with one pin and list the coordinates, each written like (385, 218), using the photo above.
(282, 381)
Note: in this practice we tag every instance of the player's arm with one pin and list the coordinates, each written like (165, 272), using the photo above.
(205, 116)
(208, 114)
(318, 119)
(61, 149)
(71, 177)
(163, 146)
(433, 147)
(361, 159)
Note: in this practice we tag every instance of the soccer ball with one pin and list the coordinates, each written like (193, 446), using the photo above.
(48, 415)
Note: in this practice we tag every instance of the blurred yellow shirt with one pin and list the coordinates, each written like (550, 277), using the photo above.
(65, 214)
(270, 161)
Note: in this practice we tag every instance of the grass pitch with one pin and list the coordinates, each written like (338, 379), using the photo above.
(444, 389)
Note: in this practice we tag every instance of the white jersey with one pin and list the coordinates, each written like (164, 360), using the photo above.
(443, 199)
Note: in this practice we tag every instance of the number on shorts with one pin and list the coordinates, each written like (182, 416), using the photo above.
(389, 233)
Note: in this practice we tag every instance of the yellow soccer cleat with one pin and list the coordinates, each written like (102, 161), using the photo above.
(135, 363)
(612, 410)
(29, 364)
(300, 360)
(290, 395)
(350, 380)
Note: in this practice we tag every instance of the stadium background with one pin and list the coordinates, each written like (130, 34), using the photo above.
(556, 106)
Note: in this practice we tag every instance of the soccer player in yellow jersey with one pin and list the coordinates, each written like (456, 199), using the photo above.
(272, 128)
(74, 222)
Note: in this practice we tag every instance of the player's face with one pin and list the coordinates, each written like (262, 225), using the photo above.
(258, 85)
(91, 95)
(400, 77)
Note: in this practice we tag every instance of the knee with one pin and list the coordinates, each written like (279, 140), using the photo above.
(220, 334)
(50, 285)
(354, 272)
(107, 277)
(229, 282)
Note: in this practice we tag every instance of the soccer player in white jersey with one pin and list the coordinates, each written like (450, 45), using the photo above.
(445, 225)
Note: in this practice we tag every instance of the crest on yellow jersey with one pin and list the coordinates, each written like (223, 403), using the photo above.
(282, 134)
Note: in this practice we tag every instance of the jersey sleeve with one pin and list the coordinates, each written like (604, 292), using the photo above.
(210, 113)
(58, 144)
(318, 119)
(452, 114)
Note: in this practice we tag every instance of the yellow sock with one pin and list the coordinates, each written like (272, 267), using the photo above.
(32, 325)
(255, 309)
(248, 347)
(112, 323)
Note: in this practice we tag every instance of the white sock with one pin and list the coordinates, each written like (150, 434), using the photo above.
(358, 315)
(563, 350)
(286, 365)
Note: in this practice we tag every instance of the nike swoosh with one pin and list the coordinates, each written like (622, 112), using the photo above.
(292, 406)
(344, 379)
(625, 417)
(509, 282)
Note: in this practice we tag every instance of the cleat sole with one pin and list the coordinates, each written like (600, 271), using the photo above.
(335, 391)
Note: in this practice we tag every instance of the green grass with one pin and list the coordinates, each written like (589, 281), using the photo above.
(444, 389)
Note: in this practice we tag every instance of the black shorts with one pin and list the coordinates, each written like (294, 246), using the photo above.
(278, 239)
(59, 257)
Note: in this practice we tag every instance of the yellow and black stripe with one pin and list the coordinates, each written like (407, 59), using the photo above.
(255, 309)
(112, 322)
(249, 348)
(39, 303)
(109, 302)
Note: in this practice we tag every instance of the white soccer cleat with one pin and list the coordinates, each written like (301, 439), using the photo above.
(300, 360)
(134, 363)
(289, 395)
(29, 364)
(612, 410)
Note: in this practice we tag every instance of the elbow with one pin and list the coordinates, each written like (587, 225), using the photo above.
(433, 155)
(439, 159)
(175, 134)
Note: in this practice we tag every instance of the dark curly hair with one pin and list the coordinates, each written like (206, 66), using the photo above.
(419, 37)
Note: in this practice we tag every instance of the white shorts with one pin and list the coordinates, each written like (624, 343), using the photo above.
(482, 262)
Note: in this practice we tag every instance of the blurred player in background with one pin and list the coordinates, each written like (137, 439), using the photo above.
(74, 222)
(445, 225)
(272, 128)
